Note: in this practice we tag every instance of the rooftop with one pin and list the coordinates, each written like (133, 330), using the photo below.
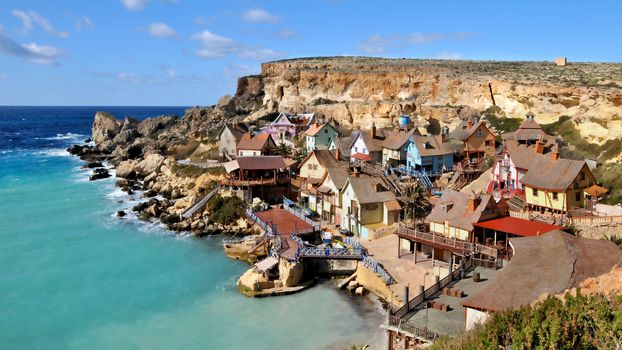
(256, 163)
(518, 227)
(254, 142)
(453, 207)
(286, 223)
(370, 190)
(398, 138)
(546, 264)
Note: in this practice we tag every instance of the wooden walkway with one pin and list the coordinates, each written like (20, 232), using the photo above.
(200, 204)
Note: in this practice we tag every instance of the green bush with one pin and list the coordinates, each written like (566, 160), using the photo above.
(226, 210)
(576, 322)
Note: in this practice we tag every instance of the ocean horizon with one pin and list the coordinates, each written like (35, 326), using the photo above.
(76, 276)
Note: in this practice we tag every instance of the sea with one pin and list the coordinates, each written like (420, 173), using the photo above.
(75, 276)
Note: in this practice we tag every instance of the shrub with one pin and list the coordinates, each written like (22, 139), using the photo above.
(226, 210)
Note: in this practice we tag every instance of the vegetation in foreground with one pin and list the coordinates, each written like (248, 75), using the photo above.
(574, 322)
(226, 210)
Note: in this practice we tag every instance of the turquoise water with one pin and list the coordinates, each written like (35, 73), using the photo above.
(76, 277)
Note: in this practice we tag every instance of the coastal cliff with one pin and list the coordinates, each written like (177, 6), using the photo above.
(355, 91)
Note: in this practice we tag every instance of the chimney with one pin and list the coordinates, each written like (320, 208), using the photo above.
(539, 149)
(444, 133)
(337, 153)
(555, 152)
(355, 172)
(373, 130)
(469, 123)
(473, 202)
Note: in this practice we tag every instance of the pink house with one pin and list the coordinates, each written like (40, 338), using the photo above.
(286, 126)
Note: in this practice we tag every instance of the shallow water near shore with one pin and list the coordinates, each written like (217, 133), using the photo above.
(74, 276)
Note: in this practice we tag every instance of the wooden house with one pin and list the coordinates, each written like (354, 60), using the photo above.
(432, 154)
(286, 126)
(255, 145)
(320, 136)
(228, 138)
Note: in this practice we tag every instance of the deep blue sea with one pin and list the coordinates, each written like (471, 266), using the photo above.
(74, 276)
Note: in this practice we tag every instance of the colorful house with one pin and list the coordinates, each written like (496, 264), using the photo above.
(313, 166)
(367, 206)
(320, 136)
(432, 154)
(286, 126)
(366, 145)
(395, 146)
(255, 145)
(228, 138)
(555, 184)
(478, 141)
(513, 162)
(456, 213)
(327, 195)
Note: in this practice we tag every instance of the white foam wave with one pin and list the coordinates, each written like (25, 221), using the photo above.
(53, 152)
(66, 136)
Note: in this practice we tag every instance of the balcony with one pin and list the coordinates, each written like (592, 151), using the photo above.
(255, 182)
(454, 245)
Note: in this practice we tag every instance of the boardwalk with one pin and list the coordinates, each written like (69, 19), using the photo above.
(200, 204)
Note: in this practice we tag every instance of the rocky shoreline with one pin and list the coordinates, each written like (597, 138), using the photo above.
(144, 155)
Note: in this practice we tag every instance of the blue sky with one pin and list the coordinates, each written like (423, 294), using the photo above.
(189, 52)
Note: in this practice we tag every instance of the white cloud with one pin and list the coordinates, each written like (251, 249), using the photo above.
(286, 34)
(161, 30)
(216, 46)
(84, 23)
(238, 70)
(378, 44)
(43, 51)
(449, 56)
(26, 21)
(30, 17)
(35, 53)
(134, 5)
(259, 54)
(258, 15)
(170, 73)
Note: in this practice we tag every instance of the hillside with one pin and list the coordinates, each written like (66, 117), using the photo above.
(356, 90)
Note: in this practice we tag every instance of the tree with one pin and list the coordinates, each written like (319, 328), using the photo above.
(284, 149)
(417, 201)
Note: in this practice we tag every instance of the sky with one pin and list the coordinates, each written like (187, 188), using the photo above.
(190, 52)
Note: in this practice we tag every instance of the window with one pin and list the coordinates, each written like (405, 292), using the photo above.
(326, 131)
(582, 176)
(535, 192)
(577, 196)
(554, 196)
(356, 149)
(480, 132)
(575, 186)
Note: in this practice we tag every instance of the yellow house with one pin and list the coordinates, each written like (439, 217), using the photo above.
(367, 205)
(556, 184)
(314, 165)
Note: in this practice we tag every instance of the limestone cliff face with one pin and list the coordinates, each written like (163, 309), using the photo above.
(356, 91)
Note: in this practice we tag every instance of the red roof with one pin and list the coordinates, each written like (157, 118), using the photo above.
(362, 156)
(286, 222)
(518, 227)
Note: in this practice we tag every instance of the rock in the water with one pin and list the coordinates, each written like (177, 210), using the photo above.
(121, 213)
(151, 164)
(92, 165)
(99, 174)
(105, 127)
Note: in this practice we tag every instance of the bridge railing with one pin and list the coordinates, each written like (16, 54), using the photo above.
(409, 327)
(267, 228)
(371, 264)
(300, 213)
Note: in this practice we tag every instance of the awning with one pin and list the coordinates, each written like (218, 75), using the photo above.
(324, 189)
(518, 227)
(362, 156)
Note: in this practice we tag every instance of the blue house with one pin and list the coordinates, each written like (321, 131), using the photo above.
(431, 154)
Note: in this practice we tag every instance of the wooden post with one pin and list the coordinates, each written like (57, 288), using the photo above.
(399, 246)
(415, 252)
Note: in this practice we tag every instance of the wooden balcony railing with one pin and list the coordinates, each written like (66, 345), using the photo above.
(255, 182)
(456, 245)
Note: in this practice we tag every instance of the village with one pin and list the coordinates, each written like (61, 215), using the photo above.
(444, 228)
